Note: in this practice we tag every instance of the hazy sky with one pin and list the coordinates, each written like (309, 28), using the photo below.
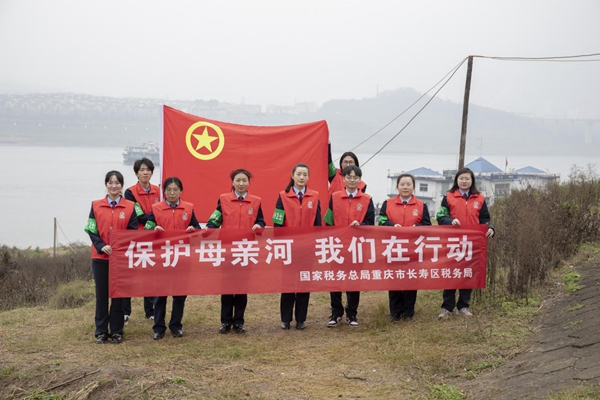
(279, 52)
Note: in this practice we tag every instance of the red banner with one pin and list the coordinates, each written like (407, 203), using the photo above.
(203, 152)
(314, 259)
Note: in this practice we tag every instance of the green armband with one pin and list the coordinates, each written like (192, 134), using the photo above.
(442, 212)
(150, 225)
(91, 226)
(278, 216)
(383, 219)
(328, 218)
(216, 218)
(332, 169)
(138, 209)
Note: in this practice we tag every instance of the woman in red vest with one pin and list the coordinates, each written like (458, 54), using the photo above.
(296, 208)
(112, 212)
(236, 209)
(336, 179)
(348, 207)
(173, 214)
(463, 205)
(143, 194)
(404, 210)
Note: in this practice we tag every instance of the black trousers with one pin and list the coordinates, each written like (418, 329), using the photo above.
(449, 296)
(106, 316)
(148, 306)
(352, 300)
(402, 302)
(287, 306)
(160, 311)
(233, 307)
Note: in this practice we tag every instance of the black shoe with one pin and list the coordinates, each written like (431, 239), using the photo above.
(115, 338)
(285, 325)
(395, 317)
(101, 339)
(177, 333)
(225, 328)
(300, 326)
(239, 328)
(407, 319)
(159, 335)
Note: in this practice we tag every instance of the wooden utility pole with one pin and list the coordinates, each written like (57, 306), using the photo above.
(465, 116)
(55, 240)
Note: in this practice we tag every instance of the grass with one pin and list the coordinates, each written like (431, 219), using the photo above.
(44, 347)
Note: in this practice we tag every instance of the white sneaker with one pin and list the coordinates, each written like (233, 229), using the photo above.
(333, 321)
(444, 314)
(126, 318)
(352, 321)
(464, 312)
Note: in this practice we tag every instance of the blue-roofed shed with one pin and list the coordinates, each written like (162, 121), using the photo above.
(530, 170)
(482, 166)
(423, 172)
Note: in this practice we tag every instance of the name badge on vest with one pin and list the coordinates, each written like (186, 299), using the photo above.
(359, 207)
(310, 204)
(121, 215)
(250, 210)
(184, 217)
(476, 204)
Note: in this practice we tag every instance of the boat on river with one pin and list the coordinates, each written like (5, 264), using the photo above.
(149, 150)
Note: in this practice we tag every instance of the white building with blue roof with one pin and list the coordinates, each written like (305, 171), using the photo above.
(430, 186)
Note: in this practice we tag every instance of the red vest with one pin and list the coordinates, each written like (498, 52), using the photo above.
(108, 220)
(173, 219)
(145, 200)
(296, 214)
(337, 183)
(239, 214)
(466, 211)
(346, 209)
(404, 214)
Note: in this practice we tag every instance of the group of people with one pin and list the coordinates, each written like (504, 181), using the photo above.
(297, 206)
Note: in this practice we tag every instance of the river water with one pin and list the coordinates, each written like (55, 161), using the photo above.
(42, 183)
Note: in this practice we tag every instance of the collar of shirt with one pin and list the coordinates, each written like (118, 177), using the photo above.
(173, 205)
(237, 196)
(303, 191)
(405, 200)
(353, 193)
(117, 200)
(463, 193)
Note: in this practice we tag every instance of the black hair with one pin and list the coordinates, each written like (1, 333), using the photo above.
(350, 168)
(473, 189)
(112, 173)
(351, 154)
(405, 176)
(137, 165)
(233, 173)
(300, 165)
(172, 179)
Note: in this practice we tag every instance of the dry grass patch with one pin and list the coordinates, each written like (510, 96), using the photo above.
(44, 347)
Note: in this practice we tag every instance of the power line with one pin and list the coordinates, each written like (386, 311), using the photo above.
(418, 112)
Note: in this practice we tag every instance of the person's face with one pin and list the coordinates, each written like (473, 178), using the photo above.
(172, 192)
(347, 161)
(405, 187)
(300, 177)
(113, 186)
(351, 180)
(241, 183)
(464, 181)
(144, 174)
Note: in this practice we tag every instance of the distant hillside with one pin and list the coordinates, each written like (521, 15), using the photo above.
(82, 120)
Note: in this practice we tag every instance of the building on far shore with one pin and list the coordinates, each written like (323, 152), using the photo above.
(495, 184)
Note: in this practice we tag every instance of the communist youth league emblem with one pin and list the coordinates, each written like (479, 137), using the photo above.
(200, 140)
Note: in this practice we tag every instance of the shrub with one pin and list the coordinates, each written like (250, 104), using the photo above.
(538, 228)
(72, 295)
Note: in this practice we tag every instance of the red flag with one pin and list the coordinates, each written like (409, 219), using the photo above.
(203, 152)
